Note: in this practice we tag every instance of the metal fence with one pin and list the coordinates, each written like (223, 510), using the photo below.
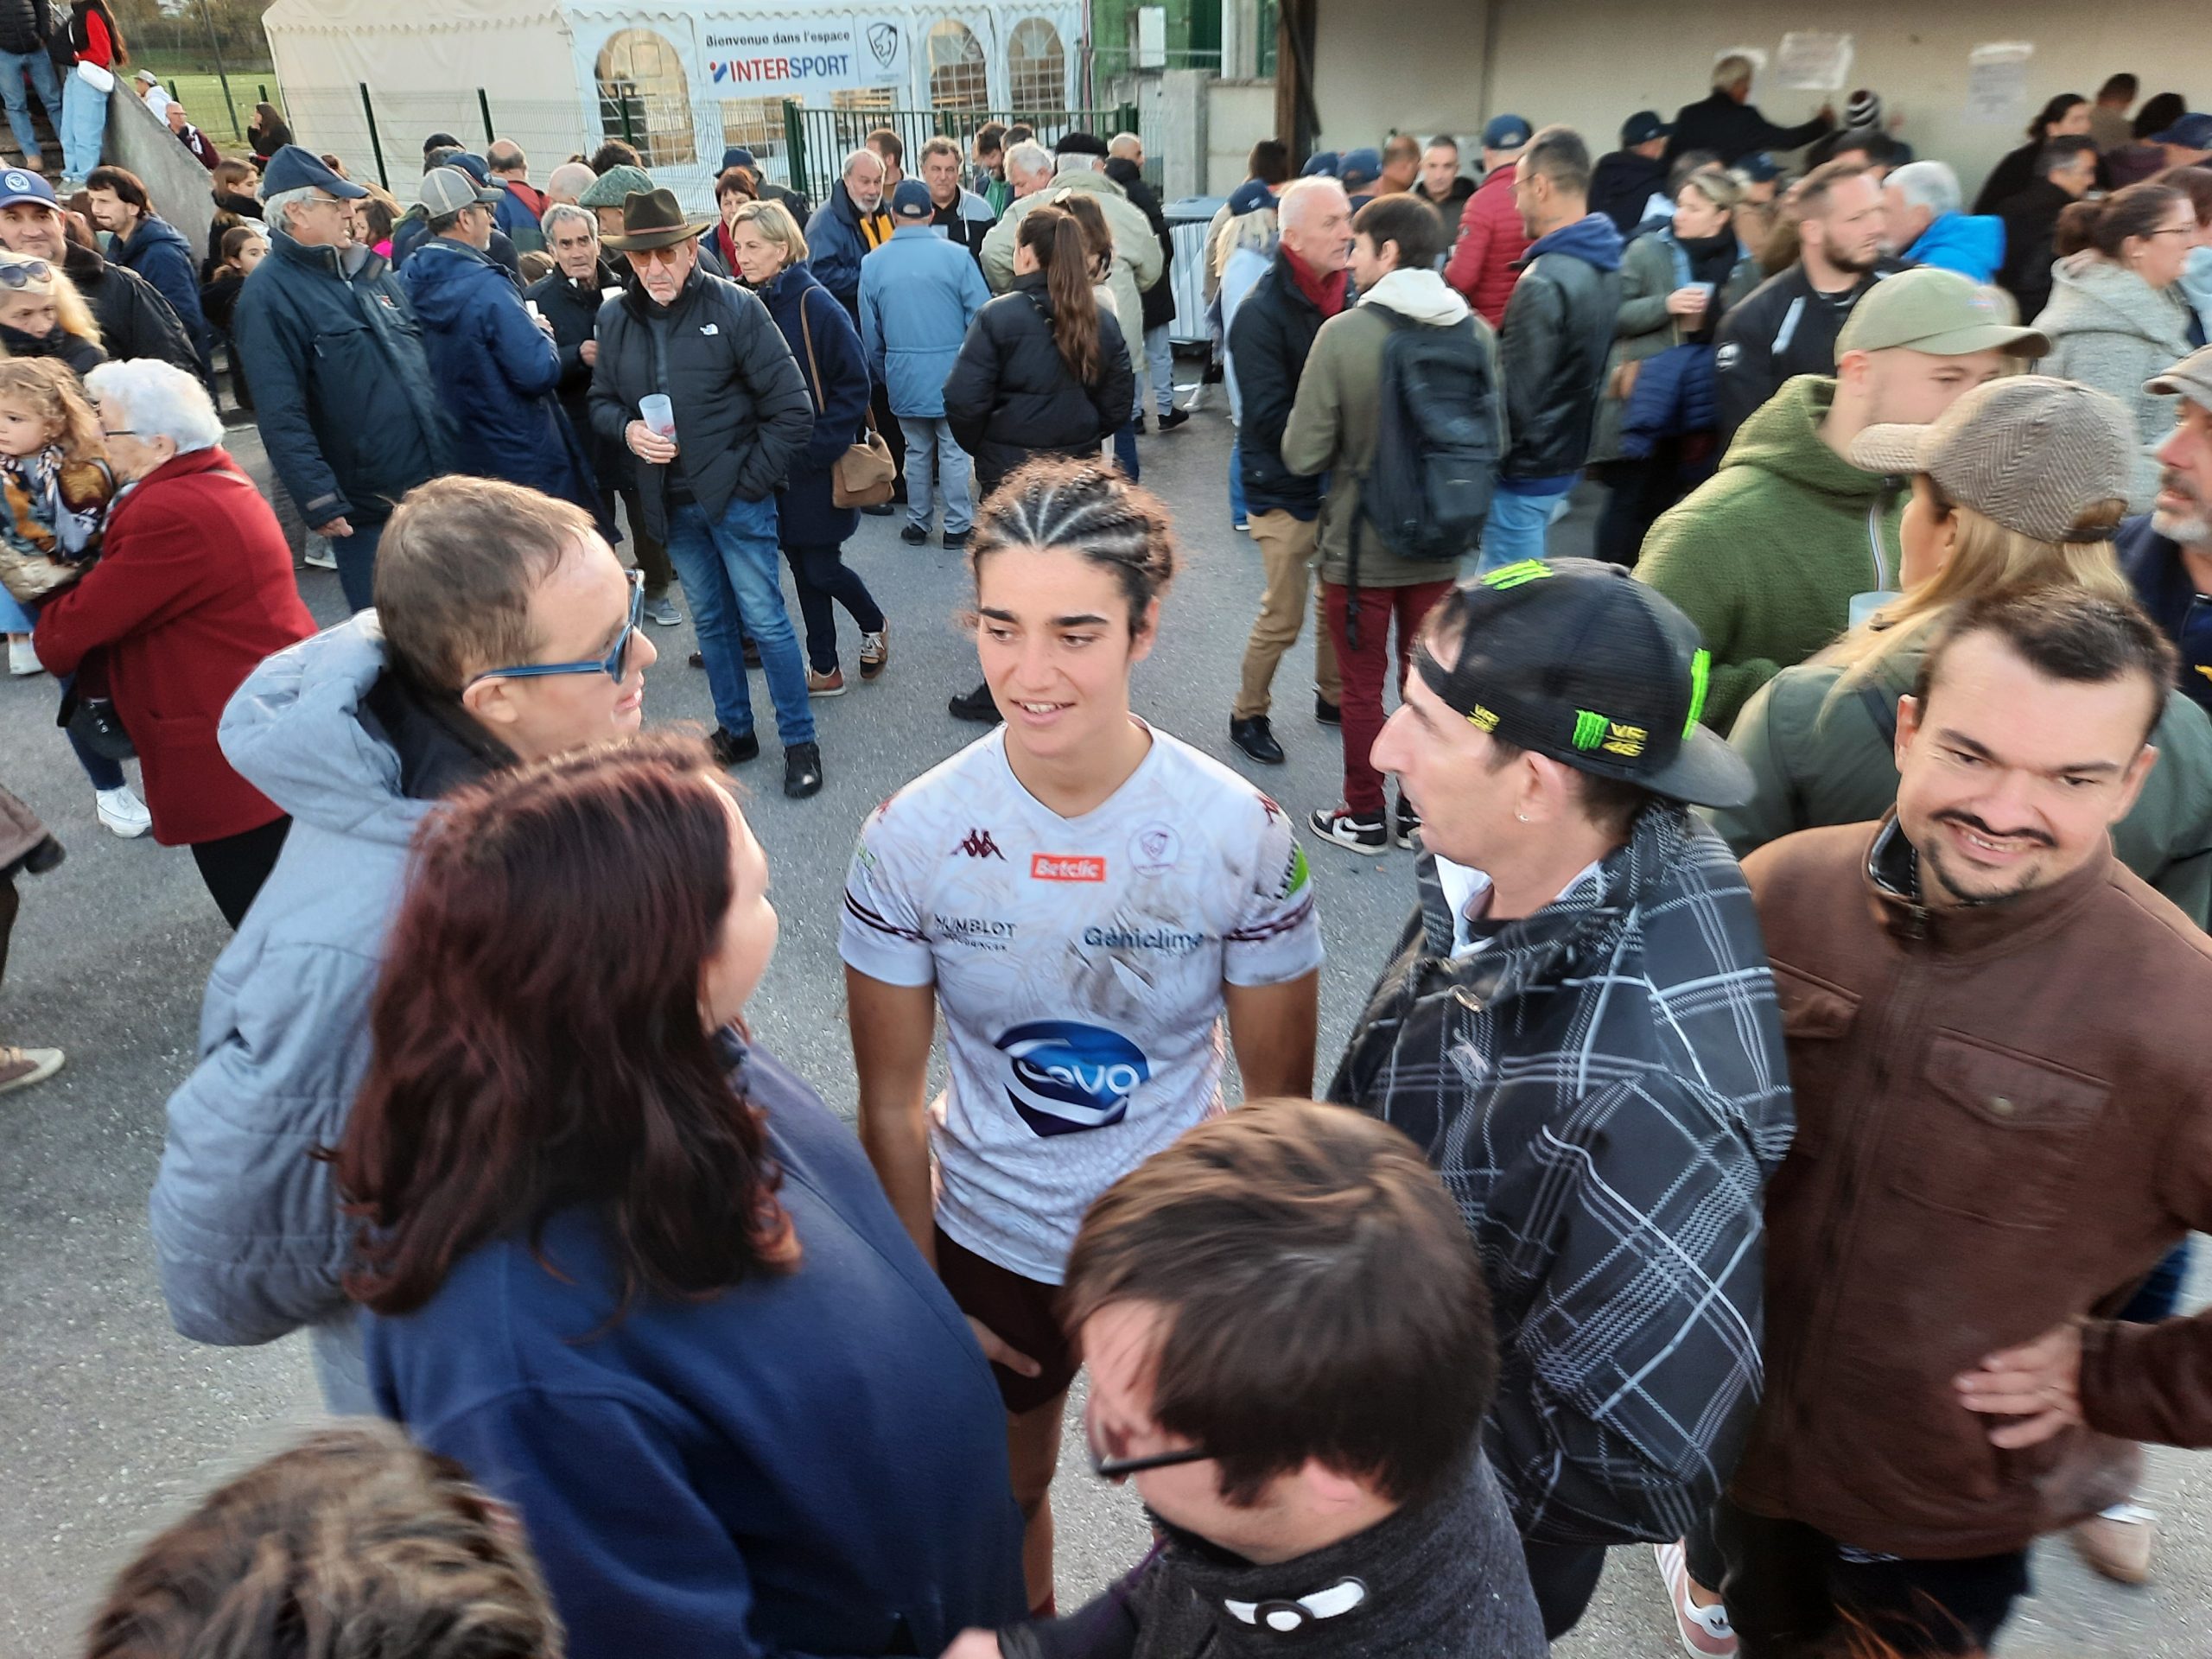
(816, 141)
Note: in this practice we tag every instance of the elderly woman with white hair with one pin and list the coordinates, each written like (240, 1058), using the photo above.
(193, 589)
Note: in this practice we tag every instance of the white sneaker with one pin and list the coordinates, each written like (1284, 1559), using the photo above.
(21, 660)
(122, 812)
(319, 554)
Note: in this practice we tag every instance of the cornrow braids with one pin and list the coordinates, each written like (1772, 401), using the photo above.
(1088, 508)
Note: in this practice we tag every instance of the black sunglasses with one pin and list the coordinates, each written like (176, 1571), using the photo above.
(1108, 1468)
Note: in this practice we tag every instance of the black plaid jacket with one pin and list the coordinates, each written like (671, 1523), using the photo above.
(1605, 1092)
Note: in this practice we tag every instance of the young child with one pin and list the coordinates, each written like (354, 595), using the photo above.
(42, 314)
(54, 490)
(240, 250)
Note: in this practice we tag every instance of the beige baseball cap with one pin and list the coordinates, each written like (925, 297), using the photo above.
(1938, 312)
(2192, 378)
(2036, 455)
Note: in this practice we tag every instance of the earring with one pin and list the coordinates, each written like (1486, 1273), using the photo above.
(1524, 816)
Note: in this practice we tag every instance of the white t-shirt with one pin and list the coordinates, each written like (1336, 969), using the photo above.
(1079, 963)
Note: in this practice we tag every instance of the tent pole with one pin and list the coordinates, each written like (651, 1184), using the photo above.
(376, 145)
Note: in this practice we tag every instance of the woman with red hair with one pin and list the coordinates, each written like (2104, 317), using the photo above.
(629, 1271)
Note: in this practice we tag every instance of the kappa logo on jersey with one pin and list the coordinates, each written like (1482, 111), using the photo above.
(1067, 1077)
(979, 844)
(1063, 867)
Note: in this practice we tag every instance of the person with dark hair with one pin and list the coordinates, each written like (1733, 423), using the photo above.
(2109, 128)
(505, 631)
(765, 187)
(1441, 184)
(1607, 1135)
(1337, 1486)
(1553, 345)
(1335, 427)
(2194, 285)
(887, 143)
(1729, 124)
(266, 131)
(1990, 1027)
(1086, 899)
(1630, 186)
(1485, 260)
(1787, 325)
(733, 414)
(2116, 317)
(959, 215)
(2062, 116)
(623, 1264)
(1267, 165)
(610, 155)
(2166, 135)
(987, 178)
(2066, 170)
(354, 1534)
(97, 51)
(150, 245)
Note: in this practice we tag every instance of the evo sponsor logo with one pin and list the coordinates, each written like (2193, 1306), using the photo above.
(1063, 1076)
(1063, 867)
(1143, 938)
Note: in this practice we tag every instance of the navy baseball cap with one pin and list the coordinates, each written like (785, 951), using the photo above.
(474, 165)
(293, 168)
(1577, 661)
(1507, 132)
(739, 155)
(1248, 198)
(1360, 167)
(1759, 168)
(1641, 128)
(2190, 132)
(1321, 164)
(19, 184)
(912, 200)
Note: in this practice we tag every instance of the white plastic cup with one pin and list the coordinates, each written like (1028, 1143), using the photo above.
(536, 316)
(658, 415)
(612, 292)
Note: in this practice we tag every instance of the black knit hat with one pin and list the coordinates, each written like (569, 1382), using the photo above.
(1574, 660)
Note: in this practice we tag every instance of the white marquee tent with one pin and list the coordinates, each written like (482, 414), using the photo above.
(680, 78)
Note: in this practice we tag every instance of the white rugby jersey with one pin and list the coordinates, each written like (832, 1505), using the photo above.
(1079, 963)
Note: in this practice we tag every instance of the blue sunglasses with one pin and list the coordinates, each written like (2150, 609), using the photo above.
(614, 664)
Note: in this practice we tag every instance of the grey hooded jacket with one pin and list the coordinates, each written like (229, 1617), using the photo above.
(247, 1235)
(2110, 329)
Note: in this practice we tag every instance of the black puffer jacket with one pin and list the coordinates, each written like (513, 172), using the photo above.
(1552, 348)
(573, 309)
(1159, 298)
(1009, 396)
(25, 26)
(742, 408)
(135, 320)
(1269, 340)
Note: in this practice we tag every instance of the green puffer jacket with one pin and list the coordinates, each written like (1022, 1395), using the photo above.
(1649, 275)
(1822, 750)
(1766, 556)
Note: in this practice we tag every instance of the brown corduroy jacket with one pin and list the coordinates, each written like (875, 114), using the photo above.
(2004, 1122)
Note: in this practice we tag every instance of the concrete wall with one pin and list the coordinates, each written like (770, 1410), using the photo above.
(173, 175)
(1239, 113)
(1412, 66)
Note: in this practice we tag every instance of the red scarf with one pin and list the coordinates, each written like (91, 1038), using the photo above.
(1328, 293)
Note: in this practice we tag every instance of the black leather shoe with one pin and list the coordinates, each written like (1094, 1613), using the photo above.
(878, 510)
(731, 750)
(914, 535)
(976, 705)
(1173, 418)
(1326, 712)
(803, 770)
(1257, 738)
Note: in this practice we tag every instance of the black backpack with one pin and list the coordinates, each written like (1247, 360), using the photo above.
(1436, 448)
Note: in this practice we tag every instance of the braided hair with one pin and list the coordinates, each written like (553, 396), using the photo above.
(1090, 509)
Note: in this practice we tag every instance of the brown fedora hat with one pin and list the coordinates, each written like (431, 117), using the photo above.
(650, 219)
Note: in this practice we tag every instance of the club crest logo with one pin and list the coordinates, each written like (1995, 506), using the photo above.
(883, 41)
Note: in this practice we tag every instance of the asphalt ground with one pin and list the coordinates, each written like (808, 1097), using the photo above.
(110, 1423)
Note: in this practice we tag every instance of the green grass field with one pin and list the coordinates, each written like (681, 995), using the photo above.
(201, 94)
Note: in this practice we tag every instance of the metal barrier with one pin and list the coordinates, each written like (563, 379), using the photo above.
(816, 141)
(1186, 222)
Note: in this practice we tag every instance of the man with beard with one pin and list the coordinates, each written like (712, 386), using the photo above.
(1996, 1044)
(1790, 324)
(2167, 552)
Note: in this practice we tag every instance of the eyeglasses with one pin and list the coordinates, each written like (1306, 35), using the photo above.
(667, 256)
(24, 273)
(1113, 1468)
(614, 664)
(116, 432)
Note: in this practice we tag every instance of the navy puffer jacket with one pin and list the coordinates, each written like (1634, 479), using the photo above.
(837, 386)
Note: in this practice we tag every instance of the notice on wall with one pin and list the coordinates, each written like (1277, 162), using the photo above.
(1812, 61)
(1996, 83)
(775, 57)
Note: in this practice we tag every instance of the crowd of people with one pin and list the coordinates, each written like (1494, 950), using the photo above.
(1772, 1139)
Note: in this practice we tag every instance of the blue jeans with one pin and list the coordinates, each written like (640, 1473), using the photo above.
(84, 126)
(105, 774)
(1516, 527)
(1159, 363)
(13, 66)
(930, 445)
(357, 564)
(733, 576)
(1237, 513)
(1125, 448)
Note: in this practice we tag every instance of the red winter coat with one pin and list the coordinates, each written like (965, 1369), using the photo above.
(1491, 239)
(193, 589)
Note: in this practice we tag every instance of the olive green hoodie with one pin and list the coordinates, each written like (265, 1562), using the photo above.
(1766, 556)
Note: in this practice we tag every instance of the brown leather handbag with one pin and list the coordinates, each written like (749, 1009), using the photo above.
(864, 474)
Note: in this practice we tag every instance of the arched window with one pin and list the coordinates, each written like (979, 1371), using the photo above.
(644, 97)
(1037, 67)
(958, 79)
